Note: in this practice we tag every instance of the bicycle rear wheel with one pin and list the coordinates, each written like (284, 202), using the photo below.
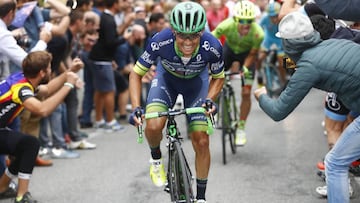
(179, 176)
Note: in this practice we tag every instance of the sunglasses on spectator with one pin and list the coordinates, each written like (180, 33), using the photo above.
(245, 21)
(188, 36)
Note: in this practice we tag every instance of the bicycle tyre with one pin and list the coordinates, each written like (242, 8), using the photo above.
(273, 84)
(225, 123)
(179, 176)
(234, 118)
(219, 113)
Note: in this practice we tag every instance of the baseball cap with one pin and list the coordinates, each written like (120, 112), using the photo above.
(295, 25)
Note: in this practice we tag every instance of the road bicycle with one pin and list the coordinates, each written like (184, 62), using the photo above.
(228, 115)
(179, 175)
(273, 83)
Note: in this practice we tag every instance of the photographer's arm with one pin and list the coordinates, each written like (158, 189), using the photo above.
(11, 49)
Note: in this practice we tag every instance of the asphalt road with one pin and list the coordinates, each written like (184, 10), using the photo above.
(278, 165)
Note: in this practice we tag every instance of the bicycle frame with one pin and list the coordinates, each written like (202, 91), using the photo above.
(179, 174)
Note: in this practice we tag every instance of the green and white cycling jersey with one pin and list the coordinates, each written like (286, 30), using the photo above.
(239, 44)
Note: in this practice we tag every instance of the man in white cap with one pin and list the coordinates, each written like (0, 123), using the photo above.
(332, 65)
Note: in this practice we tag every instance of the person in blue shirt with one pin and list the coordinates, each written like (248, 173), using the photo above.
(187, 55)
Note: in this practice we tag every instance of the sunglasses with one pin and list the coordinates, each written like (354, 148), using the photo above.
(245, 21)
(188, 36)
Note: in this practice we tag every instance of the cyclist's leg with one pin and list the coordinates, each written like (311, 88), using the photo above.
(160, 98)
(153, 134)
(200, 142)
(245, 105)
(197, 128)
(236, 60)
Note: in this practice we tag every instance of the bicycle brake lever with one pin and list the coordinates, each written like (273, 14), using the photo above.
(208, 105)
(139, 128)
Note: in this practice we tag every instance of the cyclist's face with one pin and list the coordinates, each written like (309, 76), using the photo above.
(274, 19)
(244, 26)
(187, 43)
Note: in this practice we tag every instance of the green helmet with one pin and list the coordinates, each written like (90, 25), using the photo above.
(188, 17)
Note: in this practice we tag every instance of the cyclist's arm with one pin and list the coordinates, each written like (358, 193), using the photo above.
(135, 87)
(298, 87)
(215, 87)
(44, 108)
(251, 57)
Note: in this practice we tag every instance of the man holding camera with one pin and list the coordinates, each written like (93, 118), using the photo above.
(9, 49)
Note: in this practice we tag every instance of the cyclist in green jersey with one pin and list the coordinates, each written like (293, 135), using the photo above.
(243, 39)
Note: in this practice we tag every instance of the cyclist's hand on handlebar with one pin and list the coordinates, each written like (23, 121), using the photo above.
(211, 107)
(246, 72)
(136, 116)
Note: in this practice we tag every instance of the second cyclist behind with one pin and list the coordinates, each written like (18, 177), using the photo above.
(242, 44)
(269, 22)
(187, 54)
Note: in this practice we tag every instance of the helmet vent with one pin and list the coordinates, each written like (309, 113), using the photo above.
(180, 23)
(188, 23)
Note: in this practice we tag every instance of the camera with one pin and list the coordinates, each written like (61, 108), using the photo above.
(24, 41)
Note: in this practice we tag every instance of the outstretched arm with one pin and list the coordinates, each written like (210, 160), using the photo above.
(44, 108)
(56, 83)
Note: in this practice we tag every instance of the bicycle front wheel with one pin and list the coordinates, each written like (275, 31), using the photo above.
(179, 177)
(273, 83)
(225, 124)
(234, 120)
